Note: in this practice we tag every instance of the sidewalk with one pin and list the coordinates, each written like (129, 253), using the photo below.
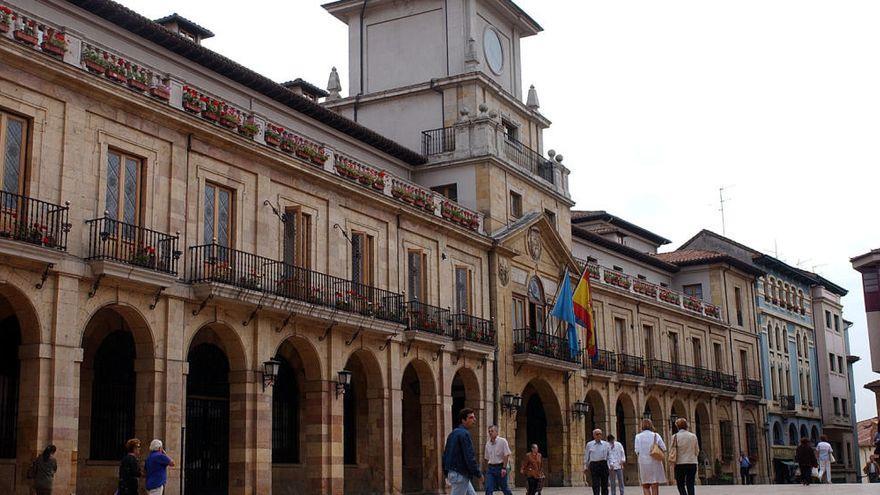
(851, 489)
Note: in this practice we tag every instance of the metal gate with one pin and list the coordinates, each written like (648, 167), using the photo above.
(206, 464)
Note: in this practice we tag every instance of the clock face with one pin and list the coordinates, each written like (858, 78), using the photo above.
(493, 51)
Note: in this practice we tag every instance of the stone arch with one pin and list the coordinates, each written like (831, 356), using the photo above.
(597, 417)
(804, 433)
(539, 421)
(224, 336)
(419, 443)
(308, 354)
(792, 434)
(653, 410)
(118, 394)
(777, 434)
(364, 423)
(678, 410)
(13, 301)
(627, 422)
(814, 434)
(702, 427)
(465, 392)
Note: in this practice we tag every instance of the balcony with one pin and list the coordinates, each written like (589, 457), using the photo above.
(604, 362)
(529, 159)
(241, 277)
(644, 289)
(473, 334)
(544, 350)
(115, 247)
(27, 222)
(752, 388)
(438, 141)
(630, 365)
(690, 376)
(787, 403)
(428, 323)
(728, 382)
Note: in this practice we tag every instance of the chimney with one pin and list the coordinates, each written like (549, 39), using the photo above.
(184, 27)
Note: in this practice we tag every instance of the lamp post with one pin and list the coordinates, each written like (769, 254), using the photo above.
(343, 382)
(270, 372)
(511, 403)
(580, 409)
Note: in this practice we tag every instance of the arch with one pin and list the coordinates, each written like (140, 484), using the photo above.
(308, 353)
(419, 449)
(777, 434)
(814, 434)
(95, 329)
(678, 411)
(540, 421)
(465, 392)
(653, 410)
(363, 423)
(804, 433)
(626, 425)
(227, 339)
(792, 434)
(209, 419)
(597, 417)
(14, 302)
(702, 427)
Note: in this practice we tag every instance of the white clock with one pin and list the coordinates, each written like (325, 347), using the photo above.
(493, 51)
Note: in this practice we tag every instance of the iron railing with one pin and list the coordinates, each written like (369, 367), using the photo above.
(530, 341)
(215, 263)
(691, 375)
(630, 365)
(437, 141)
(130, 244)
(34, 221)
(604, 360)
(728, 382)
(473, 329)
(753, 387)
(786, 402)
(426, 318)
(529, 159)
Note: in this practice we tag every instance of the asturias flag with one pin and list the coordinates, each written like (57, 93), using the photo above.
(563, 310)
(583, 311)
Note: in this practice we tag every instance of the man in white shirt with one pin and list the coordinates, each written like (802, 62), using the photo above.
(824, 453)
(616, 462)
(496, 453)
(596, 460)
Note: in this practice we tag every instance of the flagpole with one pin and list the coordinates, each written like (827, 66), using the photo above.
(555, 298)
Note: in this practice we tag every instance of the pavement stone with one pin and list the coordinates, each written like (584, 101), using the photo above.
(835, 489)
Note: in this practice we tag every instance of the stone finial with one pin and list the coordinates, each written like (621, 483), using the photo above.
(483, 108)
(532, 101)
(463, 114)
(333, 85)
(551, 153)
(559, 158)
(470, 55)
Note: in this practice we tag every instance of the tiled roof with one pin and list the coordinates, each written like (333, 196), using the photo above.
(687, 256)
(187, 24)
(866, 429)
(617, 247)
(306, 86)
(581, 216)
(198, 54)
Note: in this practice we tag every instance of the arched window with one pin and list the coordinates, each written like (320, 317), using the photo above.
(804, 433)
(10, 339)
(777, 434)
(113, 396)
(814, 435)
(285, 416)
(792, 434)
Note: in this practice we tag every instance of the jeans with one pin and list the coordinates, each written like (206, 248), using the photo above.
(744, 474)
(532, 486)
(599, 473)
(461, 484)
(684, 478)
(615, 478)
(824, 471)
(806, 473)
(157, 491)
(494, 481)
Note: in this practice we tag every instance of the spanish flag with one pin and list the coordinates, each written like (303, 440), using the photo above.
(583, 311)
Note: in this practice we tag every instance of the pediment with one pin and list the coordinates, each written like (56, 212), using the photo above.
(533, 240)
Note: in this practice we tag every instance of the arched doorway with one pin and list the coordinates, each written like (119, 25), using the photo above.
(364, 427)
(207, 421)
(792, 434)
(596, 417)
(777, 434)
(10, 371)
(465, 392)
(814, 435)
(420, 455)
(702, 428)
(804, 432)
(626, 425)
(539, 421)
(678, 411)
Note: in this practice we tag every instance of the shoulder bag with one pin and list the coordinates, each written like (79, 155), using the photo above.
(673, 451)
(656, 451)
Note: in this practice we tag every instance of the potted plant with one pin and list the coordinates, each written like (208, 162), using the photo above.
(54, 43)
(94, 62)
(191, 101)
(161, 91)
(302, 149)
(211, 110)
(397, 191)
(250, 280)
(6, 17)
(145, 256)
(272, 136)
(137, 79)
(117, 71)
(249, 128)
(318, 157)
(229, 118)
(26, 33)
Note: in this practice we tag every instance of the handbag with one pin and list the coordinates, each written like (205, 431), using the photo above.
(656, 451)
(831, 457)
(673, 451)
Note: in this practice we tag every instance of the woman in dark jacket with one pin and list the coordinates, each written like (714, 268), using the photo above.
(129, 468)
(805, 457)
(44, 471)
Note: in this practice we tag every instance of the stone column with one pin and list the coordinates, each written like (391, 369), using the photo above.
(34, 376)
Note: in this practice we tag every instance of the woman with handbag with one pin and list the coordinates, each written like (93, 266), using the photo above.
(532, 468)
(651, 451)
(825, 455)
(805, 457)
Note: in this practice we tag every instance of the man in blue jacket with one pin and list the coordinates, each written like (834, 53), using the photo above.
(459, 459)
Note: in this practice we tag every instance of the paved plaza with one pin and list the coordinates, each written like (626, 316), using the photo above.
(837, 489)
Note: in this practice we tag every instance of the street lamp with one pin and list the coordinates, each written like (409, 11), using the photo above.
(580, 409)
(270, 372)
(343, 382)
(511, 403)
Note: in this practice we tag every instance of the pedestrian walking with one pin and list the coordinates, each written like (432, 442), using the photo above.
(650, 449)
(596, 460)
(825, 456)
(42, 471)
(805, 458)
(459, 459)
(129, 468)
(156, 468)
(533, 469)
(684, 452)
(745, 464)
(616, 463)
(872, 469)
(497, 455)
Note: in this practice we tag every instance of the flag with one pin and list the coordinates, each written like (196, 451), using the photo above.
(583, 311)
(563, 310)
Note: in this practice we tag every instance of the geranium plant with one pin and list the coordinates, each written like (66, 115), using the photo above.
(191, 100)
(26, 32)
(54, 43)
(249, 128)
(6, 17)
(273, 134)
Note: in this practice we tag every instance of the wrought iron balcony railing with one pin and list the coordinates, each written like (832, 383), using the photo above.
(728, 382)
(787, 403)
(215, 263)
(130, 244)
(691, 375)
(34, 221)
(473, 329)
(753, 387)
(530, 341)
(604, 360)
(529, 159)
(630, 365)
(437, 141)
(426, 318)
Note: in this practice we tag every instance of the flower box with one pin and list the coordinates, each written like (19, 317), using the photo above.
(116, 76)
(4, 26)
(54, 50)
(287, 145)
(137, 85)
(95, 66)
(229, 123)
(618, 279)
(209, 115)
(160, 92)
(191, 106)
(318, 159)
(25, 37)
(669, 296)
(249, 129)
(272, 140)
(693, 304)
(301, 153)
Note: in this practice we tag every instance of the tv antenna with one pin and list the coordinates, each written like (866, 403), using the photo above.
(722, 200)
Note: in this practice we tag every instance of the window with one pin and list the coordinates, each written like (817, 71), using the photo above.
(840, 364)
(519, 312)
(831, 361)
(362, 258)
(773, 383)
(836, 406)
(641, 277)
(511, 130)
(617, 268)
(516, 210)
(719, 356)
(648, 330)
(777, 434)
(450, 191)
(836, 323)
(737, 295)
(744, 363)
(551, 216)
(620, 332)
(693, 290)
(218, 215)
(13, 142)
(827, 319)
(792, 434)
(463, 297)
(297, 238)
(844, 408)
(698, 352)
(726, 440)
(809, 391)
(751, 439)
(417, 284)
(673, 347)
(122, 197)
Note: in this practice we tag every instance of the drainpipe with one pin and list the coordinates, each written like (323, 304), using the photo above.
(357, 97)
(732, 360)
(493, 309)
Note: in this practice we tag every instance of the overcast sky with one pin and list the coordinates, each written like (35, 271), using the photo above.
(655, 105)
